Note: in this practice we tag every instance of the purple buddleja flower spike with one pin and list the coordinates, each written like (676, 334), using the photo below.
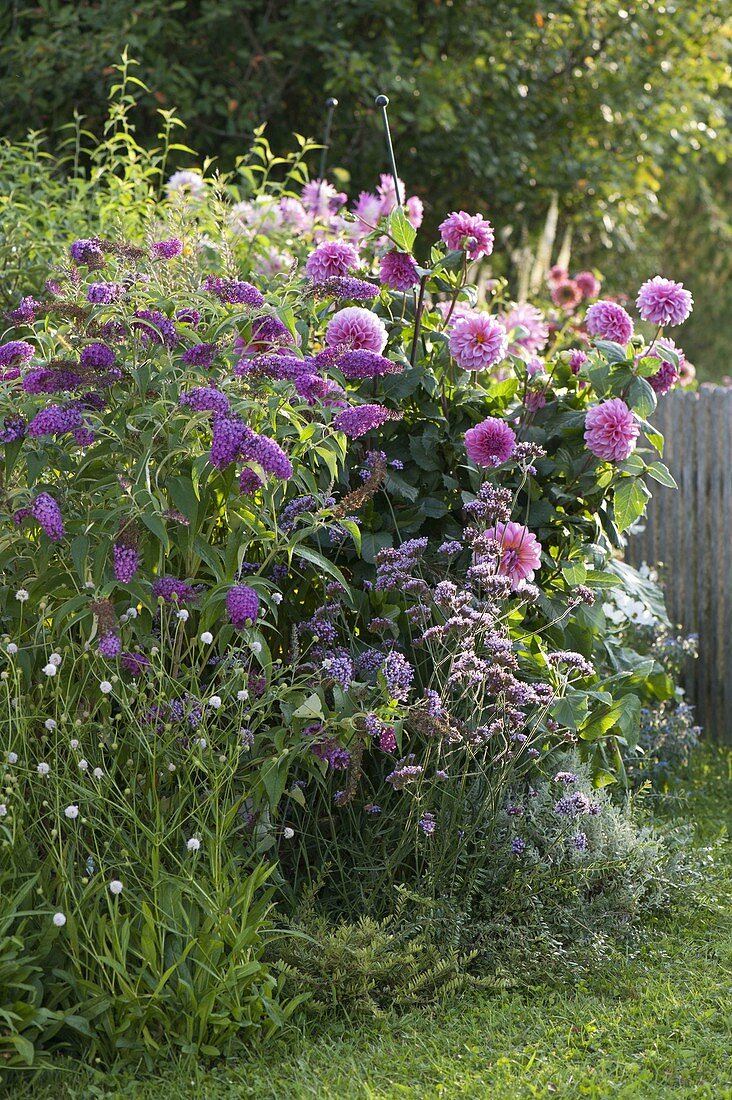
(242, 604)
(109, 643)
(15, 353)
(205, 399)
(25, 312)
(360, 419)
(155, 328)
(87, 252)
(47, 513)
(97, 356)
(227, 437)
(54, 420)
(125, 553)
(234, 291)
(267, 453)
(173, 590)
(169, 249)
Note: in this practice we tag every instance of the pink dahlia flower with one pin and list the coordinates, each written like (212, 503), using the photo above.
(414, 209)
(490, 443)
(387, 192)
(664, 379)
(321, 198)
(520, 552)
(566, 294)
(611, 430)
(588, 283)
(331, 258)
(478, 341)
(687, 373)
(398, 271)
(367, 211)
(471, 232)
(663, 302)
(557, 274)
(531, 320)
(577, 360)
(357, 328)
(609, 321)
(294, 213)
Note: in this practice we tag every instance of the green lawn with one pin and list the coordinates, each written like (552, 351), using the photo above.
(656, 1023)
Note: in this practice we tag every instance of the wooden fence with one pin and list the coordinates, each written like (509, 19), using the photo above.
(690, 531)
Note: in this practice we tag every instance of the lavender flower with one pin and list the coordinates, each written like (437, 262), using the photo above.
(361, 363)
(25, 311)
(97, 356)
(126, 560)
(155, 327)
(427, 824)
(266, 452)
(110, 646)
(88, 252)
(518, 846)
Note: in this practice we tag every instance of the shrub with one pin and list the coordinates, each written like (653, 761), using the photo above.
(230, 660)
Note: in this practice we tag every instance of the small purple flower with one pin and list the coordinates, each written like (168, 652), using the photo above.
(200, 355)
(345, 288)
(25, 311)
(87, 251)
(15, 353)
(97, 356)
(110, 646)
(360, 419)
(43, 380)
(167, 250)
(577, 360)
(579, 841)
(83, 437)
(227, 437)
(234, 291)
(518, 846)
(242, 604)
(359, 364)
(568, 778)
(13, 429)
(135, 663)
(103, 294)
(155, 327)
(398, 675)
(664, 378)
(47, 513)
(268, 453)
(205, 399)
(126, 562)
(54, 420)
(249, 482)
(189, 316)
(427, 824)
(171, 589)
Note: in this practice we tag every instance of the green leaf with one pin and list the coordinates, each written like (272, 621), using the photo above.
(661, 473)
(629, 502)
(401, 230)
(571, 710)
(614, 353)
(623, 714)
(641, 397)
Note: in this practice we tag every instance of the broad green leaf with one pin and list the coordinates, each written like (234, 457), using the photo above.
(629, 502)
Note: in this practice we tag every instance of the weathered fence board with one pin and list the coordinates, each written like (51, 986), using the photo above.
(690, 531)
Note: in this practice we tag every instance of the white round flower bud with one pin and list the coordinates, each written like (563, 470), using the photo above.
(49, 670)
(59, 920)
(50, 723)
(215, 702)
(22, 595)
(72, 812)
(207, 637)
(105, 687)
(12, 648)
(288, 833)
(115, 887)
(194, 844)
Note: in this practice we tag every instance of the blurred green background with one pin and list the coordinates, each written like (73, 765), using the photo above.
(596, 129)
